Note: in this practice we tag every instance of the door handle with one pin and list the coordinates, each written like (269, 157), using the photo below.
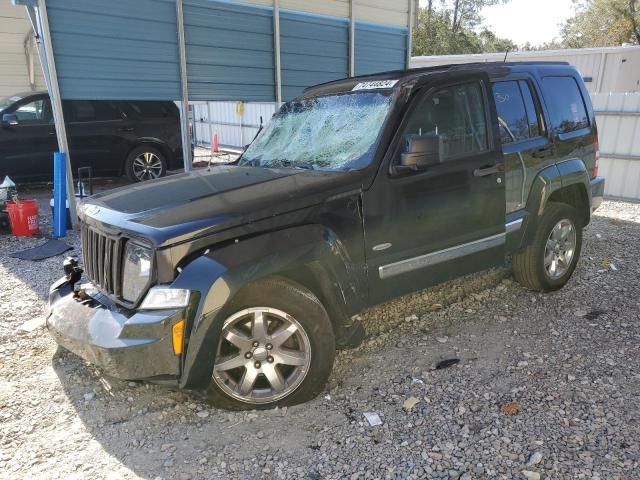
(542, 152)
(490, 170)
(125, 129)
(51, 132)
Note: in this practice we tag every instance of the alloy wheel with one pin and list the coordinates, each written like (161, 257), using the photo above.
(147, 166)
(264, 355)
(560, 249)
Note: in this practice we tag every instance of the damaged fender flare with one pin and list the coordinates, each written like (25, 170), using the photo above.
(310, 253)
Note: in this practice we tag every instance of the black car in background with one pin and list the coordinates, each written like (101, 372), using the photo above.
(139, 139)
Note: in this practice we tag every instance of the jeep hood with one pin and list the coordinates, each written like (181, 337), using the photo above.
(176, 208)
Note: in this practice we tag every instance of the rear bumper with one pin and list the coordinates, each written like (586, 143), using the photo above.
(128, 345)
(597, 192)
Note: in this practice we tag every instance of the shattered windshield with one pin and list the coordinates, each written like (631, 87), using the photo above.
(336, 132)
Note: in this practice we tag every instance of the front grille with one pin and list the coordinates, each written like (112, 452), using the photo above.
(102, 259)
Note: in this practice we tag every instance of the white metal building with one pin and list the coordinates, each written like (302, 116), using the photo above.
(612, 69)
(19, 64)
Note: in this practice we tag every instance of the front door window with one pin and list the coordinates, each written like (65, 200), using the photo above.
(36, 112)
(456, 114)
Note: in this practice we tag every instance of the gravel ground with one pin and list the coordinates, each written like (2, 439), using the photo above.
(547, 387)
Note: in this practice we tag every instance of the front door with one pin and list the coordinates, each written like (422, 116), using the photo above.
(447, 219)
(26, 148)
(95, 130)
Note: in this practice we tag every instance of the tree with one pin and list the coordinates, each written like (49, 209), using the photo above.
(603, 23)
(455, 27)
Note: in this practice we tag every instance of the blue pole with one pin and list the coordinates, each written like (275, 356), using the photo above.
(59, 195)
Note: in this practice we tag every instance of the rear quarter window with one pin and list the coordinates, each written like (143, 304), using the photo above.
(565, 103)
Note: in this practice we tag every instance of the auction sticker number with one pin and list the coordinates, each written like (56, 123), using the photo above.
(378, 85)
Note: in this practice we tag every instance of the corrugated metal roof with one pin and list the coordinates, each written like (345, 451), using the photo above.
(122, 49)
(379, 48)
(229, 51)
(314, 49)
(115, 49)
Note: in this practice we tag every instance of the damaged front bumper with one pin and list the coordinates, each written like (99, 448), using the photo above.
(132, 345)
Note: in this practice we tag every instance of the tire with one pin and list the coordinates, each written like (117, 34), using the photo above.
(285, 305)
(145, 163)
(530, 265)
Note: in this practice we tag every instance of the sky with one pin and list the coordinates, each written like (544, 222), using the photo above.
(521, 21)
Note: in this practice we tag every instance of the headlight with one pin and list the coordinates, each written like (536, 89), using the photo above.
(137, 271)
(164, 297)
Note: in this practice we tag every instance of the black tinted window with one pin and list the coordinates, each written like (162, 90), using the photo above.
(149, 109)
(565, 102)
(533, 113)
(517, 114)
(457, 114)
(90, 111)
(512, 116)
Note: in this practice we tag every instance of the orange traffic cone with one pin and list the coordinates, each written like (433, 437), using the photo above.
(215, 146)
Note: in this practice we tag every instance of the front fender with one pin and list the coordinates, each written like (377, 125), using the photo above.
(222, 272)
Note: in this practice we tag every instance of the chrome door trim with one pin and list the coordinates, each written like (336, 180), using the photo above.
(451, 253)
(513, 226)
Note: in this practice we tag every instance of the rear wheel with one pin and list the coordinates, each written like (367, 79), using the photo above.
(145, 163)
(549, 261)
(276, 348)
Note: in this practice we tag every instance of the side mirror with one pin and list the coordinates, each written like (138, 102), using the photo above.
(9, 119)
(421, 151)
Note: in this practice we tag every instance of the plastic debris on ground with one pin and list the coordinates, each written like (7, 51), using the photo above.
(373, 418)
(410, 402)
(449, 362)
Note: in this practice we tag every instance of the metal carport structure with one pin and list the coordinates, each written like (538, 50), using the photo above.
(182, 50)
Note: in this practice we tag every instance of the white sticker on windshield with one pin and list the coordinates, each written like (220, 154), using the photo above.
(379, 85)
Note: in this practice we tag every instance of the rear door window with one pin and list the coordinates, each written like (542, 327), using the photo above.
(517, 114)
(90, 111)
(566, 105)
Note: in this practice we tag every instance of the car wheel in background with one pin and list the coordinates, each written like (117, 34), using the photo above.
(548, 262)
(276, 348)
(145, 163)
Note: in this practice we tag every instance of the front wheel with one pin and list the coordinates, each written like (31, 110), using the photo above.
(145, 163)
(548, 262)
(276, 348)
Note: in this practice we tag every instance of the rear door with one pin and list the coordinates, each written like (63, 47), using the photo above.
(428, 226)
(95, 130)
(26, 149)
(526, 143)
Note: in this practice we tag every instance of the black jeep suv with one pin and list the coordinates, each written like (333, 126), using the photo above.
(138, 138)
(243, 279)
